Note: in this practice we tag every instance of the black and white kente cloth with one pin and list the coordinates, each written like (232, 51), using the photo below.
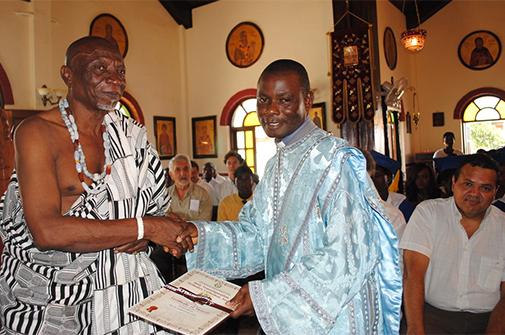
(55, 292)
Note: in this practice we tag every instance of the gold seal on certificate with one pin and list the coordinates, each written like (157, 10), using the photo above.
(193, 304)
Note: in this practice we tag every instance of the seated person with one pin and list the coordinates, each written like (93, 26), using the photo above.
(446, 166)
(421, 184)
(232, 160)
(195, 178)
(499, 156)
(188, 201)
(394, 214)
(229, 208)
(385, 170)
(454, 257)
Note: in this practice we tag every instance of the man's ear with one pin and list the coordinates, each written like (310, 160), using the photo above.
(308, 100)
(66, 75)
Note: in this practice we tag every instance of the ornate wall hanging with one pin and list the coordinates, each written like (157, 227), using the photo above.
(353, 92)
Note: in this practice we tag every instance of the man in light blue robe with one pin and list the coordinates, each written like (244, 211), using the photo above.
(315, 225)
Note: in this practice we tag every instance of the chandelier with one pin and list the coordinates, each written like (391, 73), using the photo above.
(413, 39)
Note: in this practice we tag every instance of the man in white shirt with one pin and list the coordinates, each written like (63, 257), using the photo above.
(448, 150)
(213, 180)
(454, 257)
(195, 178)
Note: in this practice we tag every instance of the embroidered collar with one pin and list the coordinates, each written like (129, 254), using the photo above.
(306, 127)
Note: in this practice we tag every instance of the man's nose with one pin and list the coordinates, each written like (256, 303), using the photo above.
(116, 78)
(474, 190)
(272, 108)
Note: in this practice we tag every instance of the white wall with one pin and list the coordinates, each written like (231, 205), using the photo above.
(292, 29)
(16, 53)
(441, 78)
(185, 73)
(37, 44)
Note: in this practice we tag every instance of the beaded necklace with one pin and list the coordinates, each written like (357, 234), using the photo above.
(80, 158)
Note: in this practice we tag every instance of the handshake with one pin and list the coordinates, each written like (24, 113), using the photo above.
(177, 236)
(173, 233)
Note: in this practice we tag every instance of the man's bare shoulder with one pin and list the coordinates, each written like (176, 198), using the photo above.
(39, 127)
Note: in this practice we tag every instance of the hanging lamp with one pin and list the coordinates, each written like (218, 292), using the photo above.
(414, 39)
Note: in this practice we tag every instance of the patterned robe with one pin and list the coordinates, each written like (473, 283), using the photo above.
(55, 292)
(318, 229)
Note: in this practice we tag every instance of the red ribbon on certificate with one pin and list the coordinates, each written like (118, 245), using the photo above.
(200, 299)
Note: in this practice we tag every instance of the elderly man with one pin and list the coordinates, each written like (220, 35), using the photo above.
(454, 257)
(88, 195)
(189, 201)
(315, 224)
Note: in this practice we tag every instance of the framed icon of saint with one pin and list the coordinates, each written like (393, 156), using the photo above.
(244, 44)
(109, 27)
(479, 50)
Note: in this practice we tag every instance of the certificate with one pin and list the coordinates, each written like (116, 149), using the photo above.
(192, 304)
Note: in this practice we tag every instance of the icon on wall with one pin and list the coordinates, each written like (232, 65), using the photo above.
(166, 141)
(110, 28)
(390, 52)
(244, 44)
(318, 114)
(204, 137)
(479, 50)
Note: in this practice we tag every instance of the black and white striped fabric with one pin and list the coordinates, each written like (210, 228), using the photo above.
(54, 292)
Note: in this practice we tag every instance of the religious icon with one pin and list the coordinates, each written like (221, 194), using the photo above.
(164, 131)
(244, 44)
(204, 137)
(390, 52)
(479, 50)
(110, 28)
(318, 115)
(351, 55)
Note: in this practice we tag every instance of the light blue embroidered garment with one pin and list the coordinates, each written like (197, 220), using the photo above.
(317, 228)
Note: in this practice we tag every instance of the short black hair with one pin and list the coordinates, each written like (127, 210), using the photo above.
(479, 160)
(233, 153)
(195, 165)
(289, 65)
(449, 133)
(243, 170)
(209, 165)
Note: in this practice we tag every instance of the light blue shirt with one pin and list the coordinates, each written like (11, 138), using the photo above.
(317, 227)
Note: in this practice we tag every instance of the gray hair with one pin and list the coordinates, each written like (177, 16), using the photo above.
(178, 158)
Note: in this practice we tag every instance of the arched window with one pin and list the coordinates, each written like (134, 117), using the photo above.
(248, 137)
(483, 120)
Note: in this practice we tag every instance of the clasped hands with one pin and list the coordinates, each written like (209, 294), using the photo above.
(182, 236)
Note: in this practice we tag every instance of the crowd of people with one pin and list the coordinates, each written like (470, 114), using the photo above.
(322, 244)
